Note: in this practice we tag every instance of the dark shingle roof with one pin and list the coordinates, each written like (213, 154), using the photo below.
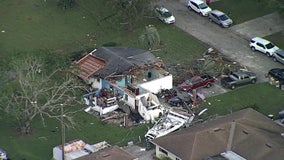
(255, 137)
(121, 59)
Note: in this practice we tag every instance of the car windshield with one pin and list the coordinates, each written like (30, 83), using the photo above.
(203, 6)
(167, 14)
(234, 76)
(188, 82)
(224, 17)
(280, 53)
(269, 45)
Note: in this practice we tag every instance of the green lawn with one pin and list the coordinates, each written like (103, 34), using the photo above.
(32, 24)
(277, 39)
(38, 145)
(263, 97)
(243, 10)
(178, 47)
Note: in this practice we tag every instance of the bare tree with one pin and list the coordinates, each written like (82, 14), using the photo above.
(131, 11)
(37, 92)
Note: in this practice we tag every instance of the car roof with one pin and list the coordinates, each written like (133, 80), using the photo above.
(261, 40)
(278, 71)
(239, 73)
(161, 8)
(197, 1)
(280, 51)
(217, 12)
(195, 78)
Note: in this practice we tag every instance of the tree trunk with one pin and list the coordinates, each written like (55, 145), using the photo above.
(25, 127)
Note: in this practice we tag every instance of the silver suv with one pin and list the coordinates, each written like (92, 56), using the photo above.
(278, 56)
(220, 18)
(262, 45)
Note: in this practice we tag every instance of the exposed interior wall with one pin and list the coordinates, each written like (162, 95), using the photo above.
(95, 82)
(156, 85)
(129, 99)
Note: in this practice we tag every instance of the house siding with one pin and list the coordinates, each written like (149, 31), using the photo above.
(156, 85)
(160, 154)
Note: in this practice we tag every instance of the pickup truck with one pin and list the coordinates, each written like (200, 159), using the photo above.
(197, 82)
(238, 78)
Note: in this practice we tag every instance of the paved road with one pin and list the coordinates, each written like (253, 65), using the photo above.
(231, 42)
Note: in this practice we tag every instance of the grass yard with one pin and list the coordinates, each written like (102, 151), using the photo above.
(30, 25)
(243, 10)
(277, 39)
(177, 47)
(38, 145)
(263, 97)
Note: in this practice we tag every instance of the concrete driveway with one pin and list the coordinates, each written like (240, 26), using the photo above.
(231, 42)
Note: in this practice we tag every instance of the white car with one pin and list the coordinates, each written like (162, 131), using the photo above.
(164, 15)
(263, 45)
(199, 6)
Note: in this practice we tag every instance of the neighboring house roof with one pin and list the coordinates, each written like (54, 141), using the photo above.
(110, 153)
(88, 65)
(121, 59)
(254, 137)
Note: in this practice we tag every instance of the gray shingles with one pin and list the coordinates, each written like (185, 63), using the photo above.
(121, 59)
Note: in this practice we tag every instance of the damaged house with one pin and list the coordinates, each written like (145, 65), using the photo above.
(128, 74)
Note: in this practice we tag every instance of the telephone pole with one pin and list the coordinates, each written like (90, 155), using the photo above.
(62, 132)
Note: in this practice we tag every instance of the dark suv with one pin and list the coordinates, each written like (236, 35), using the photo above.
(276, 77)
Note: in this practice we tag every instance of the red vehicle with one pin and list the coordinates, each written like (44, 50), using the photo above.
(197, 82)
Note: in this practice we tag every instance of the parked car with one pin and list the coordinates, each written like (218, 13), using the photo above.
(197, 82)
(199, 7)
(238, 78)
(280, 118)
(175, 101)
(3, 155)
(164, 15)
(220, 18)
(277, 74)
(281, 114)
(278, 56)
(262, 45)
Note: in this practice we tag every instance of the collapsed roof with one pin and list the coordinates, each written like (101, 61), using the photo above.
(107, 61)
